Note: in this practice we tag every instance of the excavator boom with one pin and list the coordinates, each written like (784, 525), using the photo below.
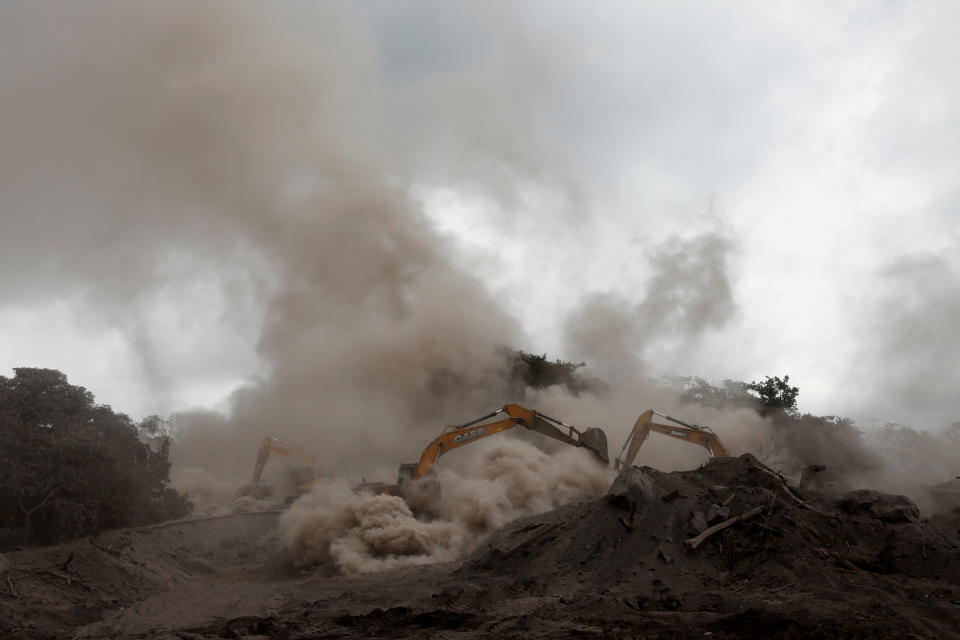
(698, 435)
(274, 445)
(421, 490)
(453, 437)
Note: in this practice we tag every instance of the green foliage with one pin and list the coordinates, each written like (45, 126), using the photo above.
(70, 467)
(767, 397)
(794, 440)
(775, 394)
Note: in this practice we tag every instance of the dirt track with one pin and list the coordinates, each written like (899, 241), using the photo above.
(854, 566)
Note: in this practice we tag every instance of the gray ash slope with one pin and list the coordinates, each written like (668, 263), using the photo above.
(857, 565)
(861, 562)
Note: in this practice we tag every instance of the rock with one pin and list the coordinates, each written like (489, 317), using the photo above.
(716, 513)
(891, 508)
(632, 487)
(699, 522)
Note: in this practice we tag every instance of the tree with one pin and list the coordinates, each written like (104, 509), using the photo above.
(69, 467)
(730, 393)
(539, 372)
(775, 394)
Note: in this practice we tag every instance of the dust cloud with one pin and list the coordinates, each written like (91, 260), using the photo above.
(335, 527)
(355, 532)
(687, 293)
(254, 148)
(149, 145)
(908, 369)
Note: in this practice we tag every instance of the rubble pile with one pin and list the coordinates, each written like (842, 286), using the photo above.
(732, 543)
(730, 550)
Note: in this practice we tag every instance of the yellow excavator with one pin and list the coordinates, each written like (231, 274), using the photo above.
(695, 434)
(304, 476)
(411, 478)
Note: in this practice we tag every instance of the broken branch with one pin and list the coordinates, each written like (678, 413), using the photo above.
(802, 503)
(68, 579)
(698, 540)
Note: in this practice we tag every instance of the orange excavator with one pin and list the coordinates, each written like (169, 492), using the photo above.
(695, 434)
(410, 480)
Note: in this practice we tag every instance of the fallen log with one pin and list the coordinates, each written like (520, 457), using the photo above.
(698, 540)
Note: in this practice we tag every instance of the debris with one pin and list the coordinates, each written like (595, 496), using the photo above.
(628, 521)
(699, 522)
(716, 513)
(698, 540)
(68, 579)
(663, 554)
(886, 507)
(807, 474)
(786, 489)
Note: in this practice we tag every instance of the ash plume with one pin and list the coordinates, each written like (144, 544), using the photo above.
(687, 294)
(270, 154)
(339, 530)
(913, 355)
(173, 140)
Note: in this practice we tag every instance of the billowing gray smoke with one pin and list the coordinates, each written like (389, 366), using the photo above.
(268, 152)
(338, 529)
(274, 155)
(687, 294)
(146, 144)
(912, 358)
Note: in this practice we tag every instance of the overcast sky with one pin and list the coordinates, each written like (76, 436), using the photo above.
(792, 164)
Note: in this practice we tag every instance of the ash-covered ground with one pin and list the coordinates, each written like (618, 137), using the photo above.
(797, 564)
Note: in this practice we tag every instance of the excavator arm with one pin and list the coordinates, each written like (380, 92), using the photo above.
(453, 437)
(702, 436)
(274, 445)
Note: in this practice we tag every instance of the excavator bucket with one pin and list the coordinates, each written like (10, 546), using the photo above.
(595, 439)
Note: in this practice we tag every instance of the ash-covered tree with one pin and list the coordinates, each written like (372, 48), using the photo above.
(771, 396)
(794, 439)
(727, 394)
(539, 372)
(70, 467)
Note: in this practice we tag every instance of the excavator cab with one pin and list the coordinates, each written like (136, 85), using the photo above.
(406, 472)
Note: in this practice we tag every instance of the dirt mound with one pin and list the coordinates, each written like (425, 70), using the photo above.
(51, 592)
(796, 564)
(862, 561)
